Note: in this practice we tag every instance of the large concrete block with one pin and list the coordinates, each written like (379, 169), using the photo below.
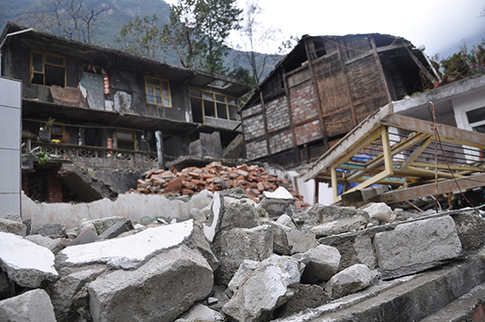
(350, 280)
(31, 306)
(321, 262)
(162, 289)
(416, 246)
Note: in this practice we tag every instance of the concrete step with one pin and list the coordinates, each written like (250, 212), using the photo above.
(406, 299)
(460, 309)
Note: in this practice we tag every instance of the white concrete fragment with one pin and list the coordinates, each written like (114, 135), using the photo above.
(210, 227)
(279, 193)
(129, 251)
(378, 210)
(202, 313)
(26, 263)
(31, 306)
(350, 280)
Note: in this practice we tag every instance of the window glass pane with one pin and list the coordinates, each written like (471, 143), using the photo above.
(165, 88)
(126, 145)
(54, 60)
(37, 62)
(151, 99)
(54, 75)
(153, 81)
(476, 115)
(207, 96)
(194, 92)
(196, 105)
(221, 111)
(166, 102)
(220, 98)
(124, 135)
(38, 79)
(209, 109)
(231, 101)
(157, 95)
(233, 113)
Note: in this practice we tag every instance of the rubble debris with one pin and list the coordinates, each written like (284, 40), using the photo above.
(402, 252)
(32, 306)
(26, 263)
(202, 313)
(350, 280)
(265, 286)
(52, 230)
(53, 244)
(276, 203)
(12, 223)
(215, 177)
(167, 285)
(87, 236)
(321, 263)
(117, 229)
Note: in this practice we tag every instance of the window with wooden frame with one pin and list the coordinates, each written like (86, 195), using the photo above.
(125, 140)
(47, 69)
(57, 130)
(210, 104)
(158, 91)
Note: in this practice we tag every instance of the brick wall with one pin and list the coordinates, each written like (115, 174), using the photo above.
(308, 132)
(280, 142)
(253, 127)
(277, 114)
(256, 149)
(54, 188)
(303, 102)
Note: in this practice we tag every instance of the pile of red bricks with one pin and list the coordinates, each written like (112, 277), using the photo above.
(214, 177)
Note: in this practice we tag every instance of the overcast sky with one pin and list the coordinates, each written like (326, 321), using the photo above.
(440, 25)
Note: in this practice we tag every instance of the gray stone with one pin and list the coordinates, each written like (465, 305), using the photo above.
(267, 287)
(201, 313)
(87, 236)
(380, 211)
(228, 213)
(118, 228)
(26, 263)
(338, 226)
(301, 241)
(350, 280)
(51, 230)
(160, 290)
(470, 226)
(31, 306)
(54, 245)
(70, 291)
(278, 202)
(100, 225)
(13, 227)
(197, 215)
(286, 220)
(5, 286)
(321, 263)
(415, 246)
(239, 244)
(357, 249)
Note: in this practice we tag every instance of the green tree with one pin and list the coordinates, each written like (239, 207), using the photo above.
(198, 30)
(143, 36)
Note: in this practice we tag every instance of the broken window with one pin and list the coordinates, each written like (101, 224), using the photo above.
(47, 69)
(209, 104)
(158, 91)
(125, 140)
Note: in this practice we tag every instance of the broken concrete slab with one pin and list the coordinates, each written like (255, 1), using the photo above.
(350, 280)
(307, 296)
(31, 306)
(53, 244)
(100, 225)
(380, 211)
(13, 227)
(131, 251)
(12, 216)
(70, 291)
(51, 230)
(87, 236)
(278, 202)
(416, 246)
(26, 263)
(239, 244)
(269, 285)
(118, 228)
(330, 220)
(201, 313)
(167, 285)
(321, 263)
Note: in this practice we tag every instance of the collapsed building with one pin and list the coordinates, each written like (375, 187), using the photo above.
(325, 87)
(110, 110)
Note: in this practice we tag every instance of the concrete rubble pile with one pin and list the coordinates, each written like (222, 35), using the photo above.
(237, 260)
(215, 177)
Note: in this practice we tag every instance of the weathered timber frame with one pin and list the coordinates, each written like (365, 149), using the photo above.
(397, 150)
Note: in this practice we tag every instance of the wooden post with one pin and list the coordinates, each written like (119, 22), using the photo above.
(263, 108)
(161, 159)
(317, 191)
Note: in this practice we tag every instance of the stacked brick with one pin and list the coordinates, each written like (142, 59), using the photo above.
(214, 177)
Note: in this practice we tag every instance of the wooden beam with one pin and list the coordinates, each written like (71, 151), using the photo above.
(381, 71)
(446, 186)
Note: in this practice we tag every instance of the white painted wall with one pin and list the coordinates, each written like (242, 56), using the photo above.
(307, 190)
(10, 140)
(132, 206)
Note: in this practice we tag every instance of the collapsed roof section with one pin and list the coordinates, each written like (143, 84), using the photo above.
(401, 152)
